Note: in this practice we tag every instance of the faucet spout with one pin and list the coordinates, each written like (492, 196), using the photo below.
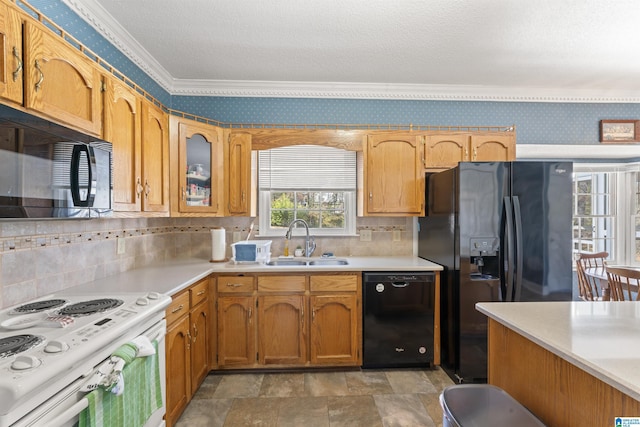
(310, 244)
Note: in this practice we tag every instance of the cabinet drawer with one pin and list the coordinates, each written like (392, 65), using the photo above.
(282, 283)
(199, 292)
(178, 307)
(344, 283)
(235, 284)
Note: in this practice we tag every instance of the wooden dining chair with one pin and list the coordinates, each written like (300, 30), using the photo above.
(621, 280)
(589, 284)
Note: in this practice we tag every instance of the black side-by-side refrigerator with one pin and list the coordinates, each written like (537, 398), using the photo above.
(503, 232)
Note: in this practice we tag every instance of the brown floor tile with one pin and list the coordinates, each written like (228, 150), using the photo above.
(353, 411)
(368, 382)
(205, 413)
(398, 410)
(254, 411)
(431, 402)
(304, 411)
(325, 384)
(410, 382)
(282, 385)
(238, 385)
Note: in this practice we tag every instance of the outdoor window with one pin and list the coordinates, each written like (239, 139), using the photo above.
(594, 212)
(313, 183)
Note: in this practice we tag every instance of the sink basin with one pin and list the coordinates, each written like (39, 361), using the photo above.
(284, 262)
(280, 262)
(329, 262)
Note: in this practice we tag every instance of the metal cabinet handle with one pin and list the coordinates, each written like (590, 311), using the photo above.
(138, 187)
(234, 285)
(188, 340)
(16, 72)
(201, 292)
(475, 153)
(39, 82)
(184, 193)
(195, 332)
(147, 189)
(177, 309)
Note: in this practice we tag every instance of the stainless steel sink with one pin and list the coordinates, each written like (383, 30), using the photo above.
(329, 262)
(280, 262)
(284, 262)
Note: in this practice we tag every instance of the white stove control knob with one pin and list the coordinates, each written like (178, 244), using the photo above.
(142, 301)
(153, 295)
(56, 346)
(25, 362)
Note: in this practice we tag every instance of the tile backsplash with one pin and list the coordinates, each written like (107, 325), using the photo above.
(41, 257)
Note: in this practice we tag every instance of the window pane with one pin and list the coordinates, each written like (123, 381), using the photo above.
(584, 187)
(282, 212)
(583, 205)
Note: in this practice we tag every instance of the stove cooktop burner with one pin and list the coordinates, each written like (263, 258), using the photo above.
(37, 306)
(86, 308)
(15, 344)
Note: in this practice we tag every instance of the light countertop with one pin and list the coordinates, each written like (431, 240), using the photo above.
(601, 338)
(172, 276)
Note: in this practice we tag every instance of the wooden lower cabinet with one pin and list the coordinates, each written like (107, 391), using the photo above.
(188, 340)
(289, 321)
(282, 337)
(334, 330)
(178, 364)
(236, 331)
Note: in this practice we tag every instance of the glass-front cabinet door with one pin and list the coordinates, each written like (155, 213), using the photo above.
(200, 162)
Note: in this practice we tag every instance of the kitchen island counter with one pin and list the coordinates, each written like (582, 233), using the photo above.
(583, 355)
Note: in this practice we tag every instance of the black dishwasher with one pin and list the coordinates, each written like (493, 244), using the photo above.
(398, 319)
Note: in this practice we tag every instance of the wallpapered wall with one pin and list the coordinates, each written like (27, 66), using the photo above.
(536, 123)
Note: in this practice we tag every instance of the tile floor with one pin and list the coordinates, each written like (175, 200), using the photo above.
(403, 397)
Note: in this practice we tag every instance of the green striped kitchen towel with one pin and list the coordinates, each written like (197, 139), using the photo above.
(141, 397)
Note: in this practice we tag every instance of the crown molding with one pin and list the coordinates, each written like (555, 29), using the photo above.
(578, 152)
(271, 89)
(96, 16)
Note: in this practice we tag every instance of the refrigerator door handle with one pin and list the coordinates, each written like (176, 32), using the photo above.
(508, 225)
(518, 247)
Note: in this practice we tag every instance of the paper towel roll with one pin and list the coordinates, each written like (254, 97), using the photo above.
(218, 244)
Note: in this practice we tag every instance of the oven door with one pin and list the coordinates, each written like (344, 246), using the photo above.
(63, 409)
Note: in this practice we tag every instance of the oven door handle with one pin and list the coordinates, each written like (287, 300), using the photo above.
(69, 413)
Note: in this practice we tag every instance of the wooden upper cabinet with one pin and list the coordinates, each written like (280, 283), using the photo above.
(155, 159)
(238, 173)
(11, 67)
(493, 148)
(444, 151)
(197, 171)
(60, 81)
(394, 178)
(122, 129)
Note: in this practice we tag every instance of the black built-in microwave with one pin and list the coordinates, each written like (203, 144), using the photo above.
(50, 171)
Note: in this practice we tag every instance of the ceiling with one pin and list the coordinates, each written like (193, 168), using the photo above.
(534, 50)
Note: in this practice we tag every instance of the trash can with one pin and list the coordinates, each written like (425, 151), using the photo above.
(483, 405)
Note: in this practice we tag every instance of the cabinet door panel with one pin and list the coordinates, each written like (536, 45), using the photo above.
(178, 368)
(122, 129)
(200, 335)
(238, 176)
(445, 151)
(236, 331)
(334, 329)
(11, 54)
(492, 148)
(155, 159)
(395, 182)
(60, 81)
(282, 337)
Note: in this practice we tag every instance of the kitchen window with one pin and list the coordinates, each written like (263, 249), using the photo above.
(606, 211)
(309, 182)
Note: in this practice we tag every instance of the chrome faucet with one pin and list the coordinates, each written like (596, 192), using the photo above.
(309, 243)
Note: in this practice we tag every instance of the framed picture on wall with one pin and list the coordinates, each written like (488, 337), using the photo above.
(619, 131)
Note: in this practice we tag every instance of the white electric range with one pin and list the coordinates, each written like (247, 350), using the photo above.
(48, 348)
